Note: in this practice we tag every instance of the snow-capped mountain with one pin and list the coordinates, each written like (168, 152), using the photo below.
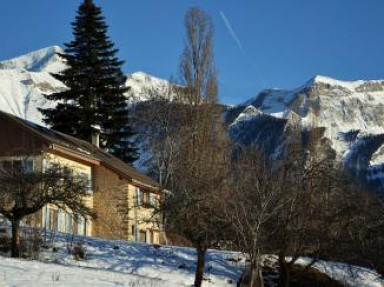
(24, 80)
(351, 113)
(46, 59)
(144, 87)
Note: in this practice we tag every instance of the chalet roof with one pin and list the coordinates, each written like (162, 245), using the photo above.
(85, 149)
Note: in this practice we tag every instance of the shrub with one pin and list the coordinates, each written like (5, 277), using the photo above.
(78, 251)
(5, 245)
(30, 244)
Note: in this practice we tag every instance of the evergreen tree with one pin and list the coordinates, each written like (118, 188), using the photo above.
(94, 101)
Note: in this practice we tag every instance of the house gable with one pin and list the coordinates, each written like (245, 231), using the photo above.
(18, 139)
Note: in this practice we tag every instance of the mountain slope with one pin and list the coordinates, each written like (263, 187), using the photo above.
(144, 87)
(45, 59)
(24, 80)
(350, 113)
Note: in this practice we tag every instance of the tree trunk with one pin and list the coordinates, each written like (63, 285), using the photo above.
(15, 238)
(199, 275)
(284, 271)
(255, 274)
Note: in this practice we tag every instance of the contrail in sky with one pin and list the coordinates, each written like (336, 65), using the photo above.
(232, 32)
(250, 60)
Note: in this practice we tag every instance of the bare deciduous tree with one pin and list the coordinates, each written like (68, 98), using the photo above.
(197, 70)
(159, 122)
(285, 205)
(307, 201)
(358, 238)
(247, 206)
(24, 192)
(199, 171)
(199, 164)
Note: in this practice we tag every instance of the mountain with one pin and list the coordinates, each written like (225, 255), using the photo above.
(42, 60)
(144, 87)
(24, 80)
(350, 114)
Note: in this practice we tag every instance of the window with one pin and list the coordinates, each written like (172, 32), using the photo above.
(143, 235)
(79, 224)
(28, 166)
(145, 198)
(153, 200)
(86, 178)
(17, 165)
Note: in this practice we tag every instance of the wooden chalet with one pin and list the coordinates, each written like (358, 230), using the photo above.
(123, 198)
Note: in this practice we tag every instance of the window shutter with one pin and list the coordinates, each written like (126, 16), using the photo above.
(68, 223)
(46, 165)
(148, 238)
(47, 217)
(137, 232)
(59, 220)
(153, 200)
(139, 196)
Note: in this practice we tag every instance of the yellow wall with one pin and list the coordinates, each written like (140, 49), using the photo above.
(143, 217)
(112, 198)
(77, 168)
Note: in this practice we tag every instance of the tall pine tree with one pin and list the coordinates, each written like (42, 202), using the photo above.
(94, 101)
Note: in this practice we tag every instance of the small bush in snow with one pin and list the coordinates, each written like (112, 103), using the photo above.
(156, 246)
(4, 241)
(78, 251)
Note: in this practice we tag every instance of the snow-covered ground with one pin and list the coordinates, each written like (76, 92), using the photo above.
(121, 263)
(353, 276)
(118, 263)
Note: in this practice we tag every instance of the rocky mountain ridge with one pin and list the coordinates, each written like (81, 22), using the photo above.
(351, 113)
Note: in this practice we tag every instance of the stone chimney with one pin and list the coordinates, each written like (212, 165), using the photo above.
(95, 137)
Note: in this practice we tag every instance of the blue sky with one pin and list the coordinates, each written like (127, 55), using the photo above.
(258, 44)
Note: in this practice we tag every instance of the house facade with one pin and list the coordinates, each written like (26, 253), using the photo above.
(123, 199)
